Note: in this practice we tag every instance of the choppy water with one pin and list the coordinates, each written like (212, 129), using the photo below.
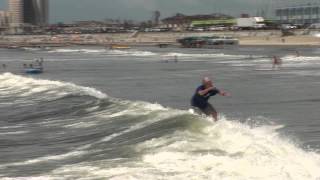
(111, 114)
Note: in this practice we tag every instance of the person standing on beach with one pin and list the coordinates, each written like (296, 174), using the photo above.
(202, 95)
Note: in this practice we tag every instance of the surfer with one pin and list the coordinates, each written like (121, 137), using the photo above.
(202, 95)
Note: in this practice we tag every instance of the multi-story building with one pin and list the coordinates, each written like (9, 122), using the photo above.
(28, 12)
(16, 13)
(36, 12)
(4, 19)
(303, 15)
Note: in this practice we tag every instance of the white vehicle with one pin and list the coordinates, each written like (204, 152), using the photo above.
(288, 26)
(198, 29)
(217, 28)
(251, 22)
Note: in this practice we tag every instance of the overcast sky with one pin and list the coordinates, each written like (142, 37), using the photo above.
(72, 10)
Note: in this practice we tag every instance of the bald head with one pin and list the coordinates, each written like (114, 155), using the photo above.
(206, 81)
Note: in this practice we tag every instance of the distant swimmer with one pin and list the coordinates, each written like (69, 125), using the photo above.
(175, 59)
(202, 95)
(276, 62)
(297, 53)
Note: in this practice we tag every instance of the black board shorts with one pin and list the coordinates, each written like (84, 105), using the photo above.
(209, 110)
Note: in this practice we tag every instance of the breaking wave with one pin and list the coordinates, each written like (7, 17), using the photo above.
(73, 132)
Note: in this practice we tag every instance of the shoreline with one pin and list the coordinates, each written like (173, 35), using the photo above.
(246, 38)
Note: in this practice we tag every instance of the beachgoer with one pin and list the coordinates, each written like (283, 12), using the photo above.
(276, 62)
(202, 95)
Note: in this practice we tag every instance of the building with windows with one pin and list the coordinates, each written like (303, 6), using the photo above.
(4, 19)
(16, 13)
(302, 15)
(28, 12)
(36, 12)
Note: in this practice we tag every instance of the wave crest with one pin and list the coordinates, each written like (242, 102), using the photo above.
(16, 85)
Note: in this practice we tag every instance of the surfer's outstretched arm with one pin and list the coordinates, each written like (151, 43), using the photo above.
(224, 93)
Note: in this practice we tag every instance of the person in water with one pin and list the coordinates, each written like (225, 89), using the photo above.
(202, 95)
(276, 62)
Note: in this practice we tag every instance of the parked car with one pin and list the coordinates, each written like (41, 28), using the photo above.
(288, 26)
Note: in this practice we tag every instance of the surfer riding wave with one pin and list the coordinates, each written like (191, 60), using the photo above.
(203, 94)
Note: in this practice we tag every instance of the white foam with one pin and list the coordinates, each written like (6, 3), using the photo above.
(14, 133)
(301, 59)
(227, 150)
(30, 178)
(223, 150)
(65, 51)
(220, 55)
(80, 125)
(94, 51)
(112, 52)
(131, 53)
(26, 86)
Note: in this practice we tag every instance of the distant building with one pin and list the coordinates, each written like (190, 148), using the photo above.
(4, 19)
(16, 13)
(303, 15)
(36, 12)
(28, 12)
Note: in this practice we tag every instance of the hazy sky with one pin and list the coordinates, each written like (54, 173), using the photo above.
(71, 10)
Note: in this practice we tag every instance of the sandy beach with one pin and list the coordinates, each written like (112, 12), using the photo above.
(271, 37)
(278, 40)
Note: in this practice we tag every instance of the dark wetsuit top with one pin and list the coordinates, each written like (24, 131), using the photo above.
(202, 101)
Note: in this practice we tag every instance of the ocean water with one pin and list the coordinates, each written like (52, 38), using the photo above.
(97, 113)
